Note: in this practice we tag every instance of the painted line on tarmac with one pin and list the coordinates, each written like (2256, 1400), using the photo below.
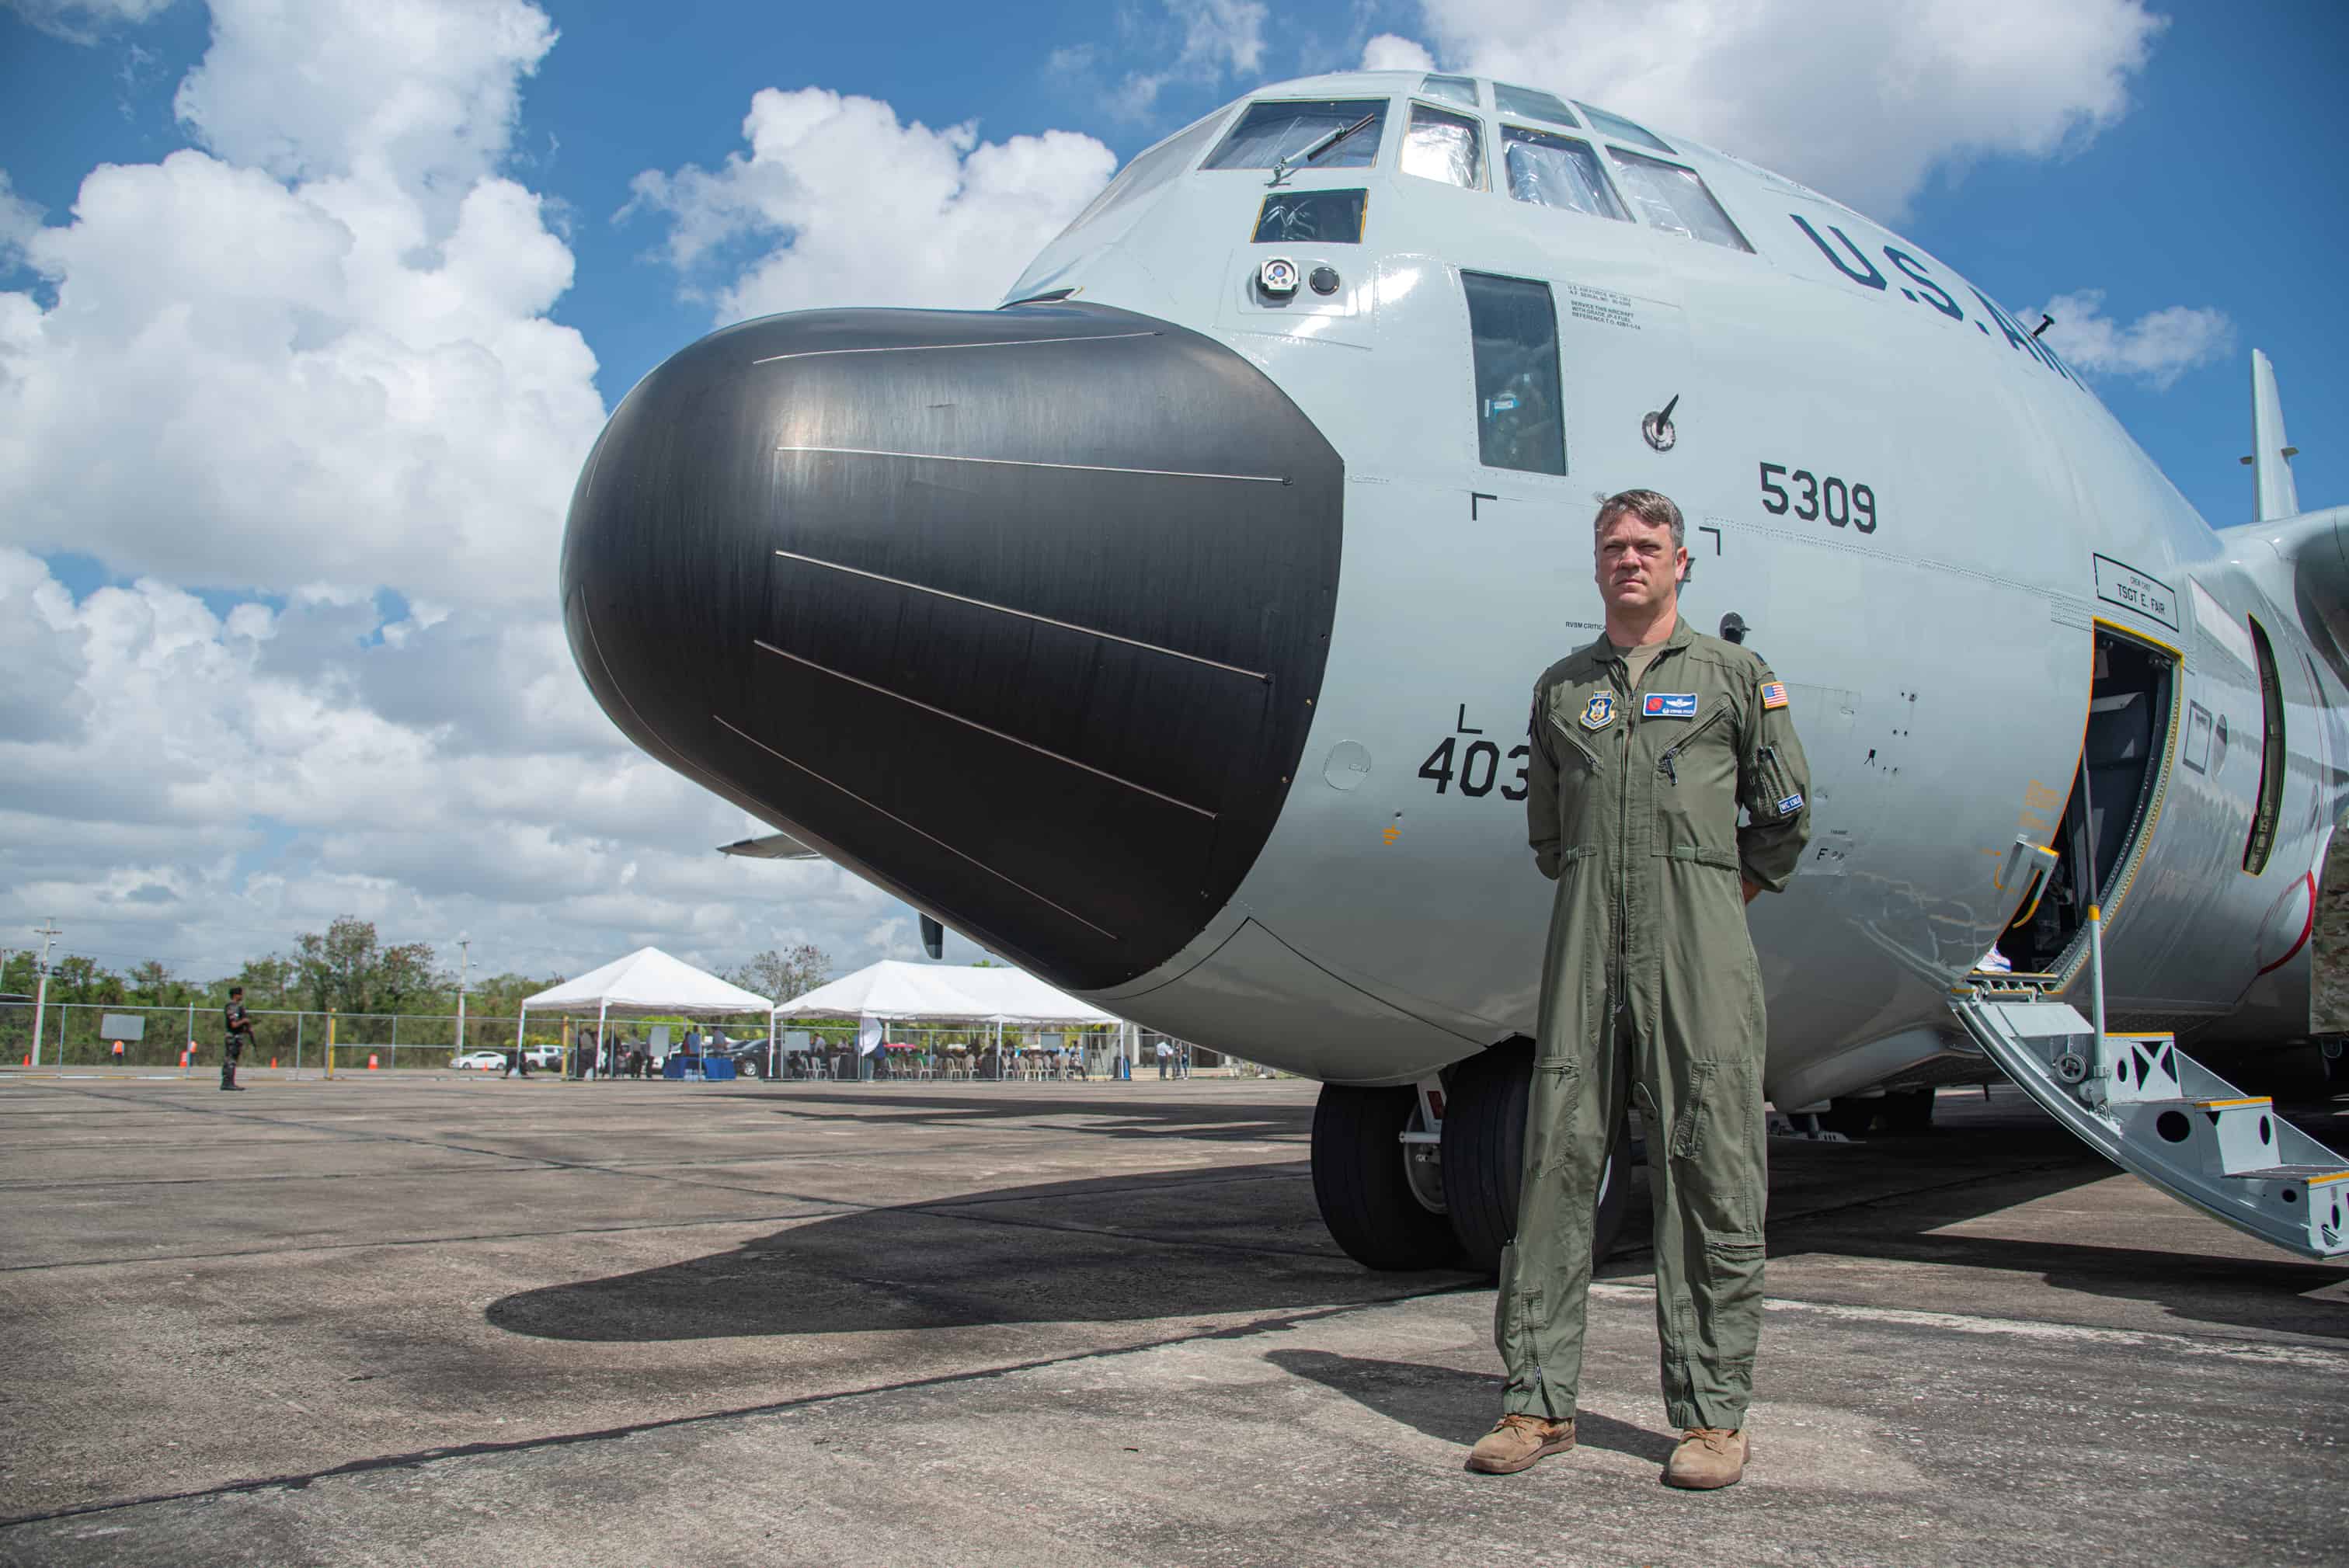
(2029, 1329)
(1278, 1323)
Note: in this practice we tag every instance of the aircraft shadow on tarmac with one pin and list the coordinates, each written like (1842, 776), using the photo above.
(1134, 1115)
(1143, 1246)
(1128, 1248)
(1448, 1404)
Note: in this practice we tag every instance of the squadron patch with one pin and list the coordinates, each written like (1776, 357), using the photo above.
(1790, 805)
(1773, 694)
(1598, 712)
(1669, 705)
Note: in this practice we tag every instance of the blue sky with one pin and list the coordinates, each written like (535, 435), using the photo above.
(387, 583)
(2220, 188)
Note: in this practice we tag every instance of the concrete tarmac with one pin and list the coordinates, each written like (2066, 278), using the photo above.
(404, 1318)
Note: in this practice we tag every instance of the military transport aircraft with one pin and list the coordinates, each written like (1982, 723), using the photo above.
(1170, 629)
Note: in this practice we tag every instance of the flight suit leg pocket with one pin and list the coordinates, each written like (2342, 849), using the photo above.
(1557, 1090)
(1688, 1124)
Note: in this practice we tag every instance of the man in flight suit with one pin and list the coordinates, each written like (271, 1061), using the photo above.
(1645, 745)
(237, 1034)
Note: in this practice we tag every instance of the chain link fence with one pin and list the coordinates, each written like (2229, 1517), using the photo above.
(118, 1034)
(93, 1034)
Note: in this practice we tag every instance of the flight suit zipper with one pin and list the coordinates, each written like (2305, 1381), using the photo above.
(1622, 977)
(1664, 763)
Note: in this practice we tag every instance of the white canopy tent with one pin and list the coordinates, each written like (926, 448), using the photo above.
(893, 991)
(646, 981)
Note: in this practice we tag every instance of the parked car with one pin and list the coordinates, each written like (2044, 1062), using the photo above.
(480, 1061)
(749, 1056)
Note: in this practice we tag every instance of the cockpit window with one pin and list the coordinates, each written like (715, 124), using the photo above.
(1441, 145)
(1615, 125)
(1675, 199)
(1153, 168)
(1289, 216)
(1528, 104)
(1557, 171)
(1269, 133)
(1512, 328)
(1460, 91)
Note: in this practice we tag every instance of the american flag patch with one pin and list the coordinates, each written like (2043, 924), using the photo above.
(1773, 694)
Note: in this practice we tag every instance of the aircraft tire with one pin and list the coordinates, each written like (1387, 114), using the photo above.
(1483, 1157)
(1852, 1116)
(1908, 1111)
(1360, 1181)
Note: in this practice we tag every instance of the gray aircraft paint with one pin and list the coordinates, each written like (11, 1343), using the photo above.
(1940, 664)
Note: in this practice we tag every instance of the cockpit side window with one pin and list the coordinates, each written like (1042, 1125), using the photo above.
(1528, 104)
(1557, 171)
(1154, 167)
(1271, 133)
(1460, 91)
(1675, 199)
(1512, 328)
(1622, 129)
(1441, 145)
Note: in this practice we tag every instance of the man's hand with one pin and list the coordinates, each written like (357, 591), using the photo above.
(1752, 887)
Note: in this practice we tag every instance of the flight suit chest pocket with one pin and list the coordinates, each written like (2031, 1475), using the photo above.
(1694, 786)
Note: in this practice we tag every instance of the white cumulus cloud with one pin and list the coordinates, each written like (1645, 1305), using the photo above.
(1864, 101)
(306, 365)
(2157, 348)
(347, 373)
(856, 207)
(81, 21)
(1391, 52)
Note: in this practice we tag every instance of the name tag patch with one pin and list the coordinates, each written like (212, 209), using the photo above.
(1668, 705)
(1790, 805)
(1598, 712)
(1773, 694)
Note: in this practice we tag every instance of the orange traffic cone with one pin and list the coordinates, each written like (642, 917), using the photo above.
(272, 1063)
(370, 1062)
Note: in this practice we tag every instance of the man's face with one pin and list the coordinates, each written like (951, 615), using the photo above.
(1639, 566)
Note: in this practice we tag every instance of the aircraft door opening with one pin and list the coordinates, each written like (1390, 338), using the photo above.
(2125, 755)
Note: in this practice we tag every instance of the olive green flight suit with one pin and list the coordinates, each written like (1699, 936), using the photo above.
(1649, 988)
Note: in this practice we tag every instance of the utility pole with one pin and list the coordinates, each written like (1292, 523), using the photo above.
(47, 934)
(464, 946)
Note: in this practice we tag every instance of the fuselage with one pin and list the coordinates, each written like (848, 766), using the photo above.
(1914, 510)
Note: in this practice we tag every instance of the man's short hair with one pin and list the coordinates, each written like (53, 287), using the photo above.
(1653, 508)
(236, 991)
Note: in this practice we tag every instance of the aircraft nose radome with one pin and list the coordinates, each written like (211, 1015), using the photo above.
(1018, 613)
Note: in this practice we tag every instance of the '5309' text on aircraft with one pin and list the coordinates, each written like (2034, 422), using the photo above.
(1169, 629)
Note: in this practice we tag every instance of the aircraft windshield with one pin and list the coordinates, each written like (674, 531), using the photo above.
(1443, 145)
(1460, 91)
(1615, 125)
(1557, 171)
(1675, 199)
(1328, 217)
(1270, 133)
(1528, 104)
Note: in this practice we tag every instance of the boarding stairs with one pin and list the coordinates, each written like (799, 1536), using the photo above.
(2151, 1108)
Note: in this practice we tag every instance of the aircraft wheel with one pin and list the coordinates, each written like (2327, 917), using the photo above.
(1908, 1111)
(1852, 1117)
(1362, 1182)
(1483, 1157)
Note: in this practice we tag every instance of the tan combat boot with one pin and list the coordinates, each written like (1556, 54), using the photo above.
(1517, 1441)
(1708, 1457)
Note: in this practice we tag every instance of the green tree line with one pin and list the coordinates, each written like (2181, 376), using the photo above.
(345, 968)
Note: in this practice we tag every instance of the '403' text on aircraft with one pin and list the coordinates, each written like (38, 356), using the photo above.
(1169, 629)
